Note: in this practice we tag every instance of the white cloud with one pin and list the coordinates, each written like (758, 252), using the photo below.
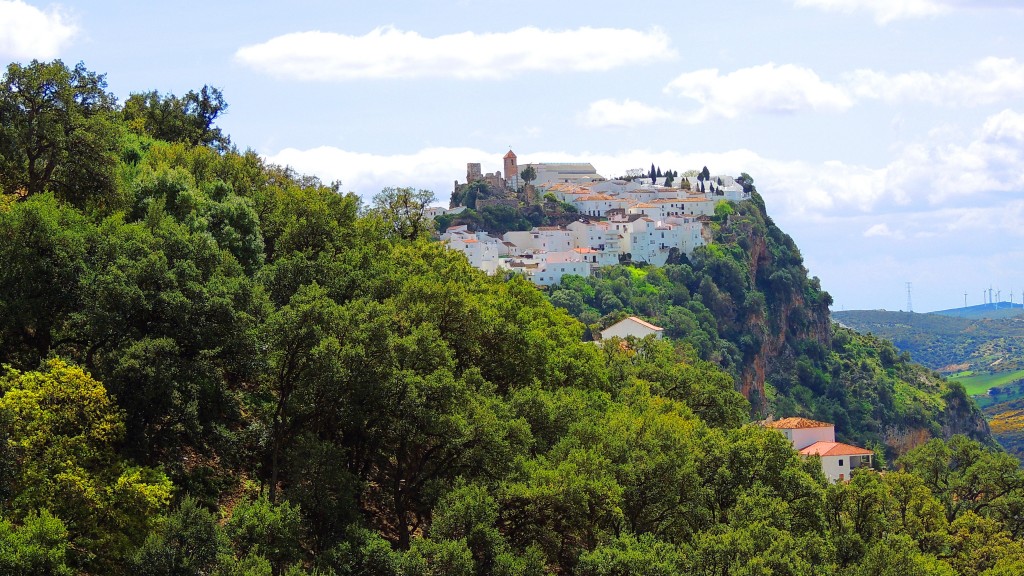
(886, 11)
(989, 80)
(1006, 126)
(626, 113)
(387, 52)
(28, 32)
(366, 174)
(766, 88)
(955, 172)
(882, 230)
(787, 88)
(949, 178)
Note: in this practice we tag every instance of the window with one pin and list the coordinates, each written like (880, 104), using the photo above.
(840, 461)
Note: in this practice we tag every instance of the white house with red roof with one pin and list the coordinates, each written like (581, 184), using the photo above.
(814, 438)
(482, 250)
(839, 460)
(631, 326)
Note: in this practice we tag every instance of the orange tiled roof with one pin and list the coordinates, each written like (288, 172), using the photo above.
(834, 449)
(796, 422)
(644, 323)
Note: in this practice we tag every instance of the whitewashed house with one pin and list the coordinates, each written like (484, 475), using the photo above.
(599, 204)
(481, 249)
(631, 326)
(435, 211)
(614, 187)
(839, 460)
(548, 268)
(597, 258)
(698, 206)
(814, 438)
(733, 193)
(544, 238)
(599, 236)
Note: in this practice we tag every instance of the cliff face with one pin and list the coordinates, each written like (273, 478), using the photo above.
(792, 366)
(962, 416)
(794, 309)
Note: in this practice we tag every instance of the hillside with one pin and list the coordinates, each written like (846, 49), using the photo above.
(210, 364)
(1006, 420)
(982, 311)
(746, 303)
(946, 343)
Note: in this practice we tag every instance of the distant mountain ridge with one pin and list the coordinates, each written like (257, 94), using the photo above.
(945, 342)
(990, 311)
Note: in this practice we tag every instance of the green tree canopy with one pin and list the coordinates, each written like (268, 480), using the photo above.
(189, 119)
(56, 131)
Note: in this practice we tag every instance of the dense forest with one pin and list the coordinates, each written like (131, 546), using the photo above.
(213, 365)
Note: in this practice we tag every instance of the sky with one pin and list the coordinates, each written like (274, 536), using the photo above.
(886, 136)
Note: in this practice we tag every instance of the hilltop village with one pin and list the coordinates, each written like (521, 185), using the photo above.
(634, 219)
(638, 219)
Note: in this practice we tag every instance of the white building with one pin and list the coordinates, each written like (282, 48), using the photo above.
(548, 268)
(599, 204)
(597, 258)
(598, 236)
(733, 193)
(435, 211)
(549, 173)
(543, 238)
(814, 438)
(631, 326)
(839, 460)
(803, 432)
(620, 188)
(481, 249)
(689, 232)
(698, 206)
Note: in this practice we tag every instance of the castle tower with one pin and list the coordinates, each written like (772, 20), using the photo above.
(511, 170)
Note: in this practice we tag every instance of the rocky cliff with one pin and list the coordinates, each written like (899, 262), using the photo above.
(793, 366)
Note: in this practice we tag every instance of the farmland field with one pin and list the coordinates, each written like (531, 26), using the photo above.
(976, 384)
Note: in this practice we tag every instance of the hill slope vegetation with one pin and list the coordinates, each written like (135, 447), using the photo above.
(745, 303)
(946, 343)
(212, 365)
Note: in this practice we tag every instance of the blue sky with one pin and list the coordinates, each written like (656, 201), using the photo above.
(887, 136)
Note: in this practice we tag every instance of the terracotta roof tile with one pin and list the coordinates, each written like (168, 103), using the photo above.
(834, 449)
(644, 323)
(795, 422)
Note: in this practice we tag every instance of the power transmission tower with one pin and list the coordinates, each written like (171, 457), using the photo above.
(910, 303)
